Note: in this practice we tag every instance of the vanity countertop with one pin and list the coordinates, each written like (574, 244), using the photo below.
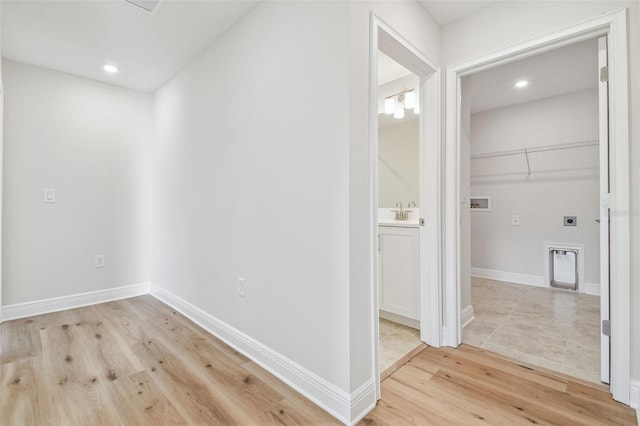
(402, 223)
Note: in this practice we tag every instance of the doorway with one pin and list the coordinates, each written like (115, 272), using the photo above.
(398, 213)
(425, 244)
(531, 236)
(616, 274)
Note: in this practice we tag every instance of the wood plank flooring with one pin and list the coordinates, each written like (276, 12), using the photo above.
(471, 386)
(135, 362)
(138, 362)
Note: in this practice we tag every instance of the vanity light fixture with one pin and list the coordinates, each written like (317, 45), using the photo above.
(410, 100)
(111, 69)
(522, 83)
(389, 106)
(399, 112)
(396, 104)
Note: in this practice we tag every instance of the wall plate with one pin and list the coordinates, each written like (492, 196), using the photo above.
(49, 196)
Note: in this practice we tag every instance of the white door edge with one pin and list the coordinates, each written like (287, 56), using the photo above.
(603, 123)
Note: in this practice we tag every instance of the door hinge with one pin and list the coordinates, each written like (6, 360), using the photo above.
(606, 327)
(604, 74)
(605, 200)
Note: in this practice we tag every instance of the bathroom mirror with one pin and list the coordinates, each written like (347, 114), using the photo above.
(398, 136)
(398, 161)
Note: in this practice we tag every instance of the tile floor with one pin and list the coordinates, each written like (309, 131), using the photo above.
(555, 329)
(396, 340)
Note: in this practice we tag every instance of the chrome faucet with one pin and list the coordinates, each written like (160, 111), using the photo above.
(401, 214)
(406, 212)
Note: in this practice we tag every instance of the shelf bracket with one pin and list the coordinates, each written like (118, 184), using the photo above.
(526, 157)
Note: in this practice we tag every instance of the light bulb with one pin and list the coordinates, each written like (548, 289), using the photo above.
(522, 83)
(399, 112)
(410, 99)
(389, 106)
(111, 69)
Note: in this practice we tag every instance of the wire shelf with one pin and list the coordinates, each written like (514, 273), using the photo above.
(573, 156)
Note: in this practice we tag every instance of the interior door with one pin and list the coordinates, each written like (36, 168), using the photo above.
(603, 108)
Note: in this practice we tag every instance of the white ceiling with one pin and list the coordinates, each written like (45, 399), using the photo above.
(447, 11)
(569, 69)
(389, 70)
(79, 37)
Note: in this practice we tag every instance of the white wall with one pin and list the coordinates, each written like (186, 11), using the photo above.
(88, 140)
(506, 23)
(556, 120)
(544, 198)
(413, 23)
(251, 178)
(398, 163)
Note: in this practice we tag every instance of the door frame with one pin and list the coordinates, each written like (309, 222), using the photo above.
(614, 26)
(386, 39)
(1, 179)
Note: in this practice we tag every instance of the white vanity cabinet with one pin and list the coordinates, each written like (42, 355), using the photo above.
(399, 268)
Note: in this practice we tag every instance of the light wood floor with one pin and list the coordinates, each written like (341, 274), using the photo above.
(471, 386)
(137, 362)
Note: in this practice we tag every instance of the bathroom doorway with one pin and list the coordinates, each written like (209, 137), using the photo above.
(398, 213)
(411, 253)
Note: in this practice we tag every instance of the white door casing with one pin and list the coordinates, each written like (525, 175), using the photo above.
(614, 26)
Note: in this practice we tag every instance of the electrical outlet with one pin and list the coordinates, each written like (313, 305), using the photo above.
(49, 196)
(241, 286)
(98, 261)
(515, 220)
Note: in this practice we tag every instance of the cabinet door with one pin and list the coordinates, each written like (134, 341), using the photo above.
(399, 269)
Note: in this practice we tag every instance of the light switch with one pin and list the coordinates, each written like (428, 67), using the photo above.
(515, 220)
(49, 195)
(98, 261)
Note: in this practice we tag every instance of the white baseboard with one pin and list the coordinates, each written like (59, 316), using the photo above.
(592, 289)
(509, 277)
(634, 396)
(467, 316)
(337, 402)
(38, 307)
(526, 279)
(363, 400)
(409, 322)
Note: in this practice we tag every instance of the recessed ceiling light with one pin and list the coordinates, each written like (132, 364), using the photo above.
(111, 69)
(522, 83)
